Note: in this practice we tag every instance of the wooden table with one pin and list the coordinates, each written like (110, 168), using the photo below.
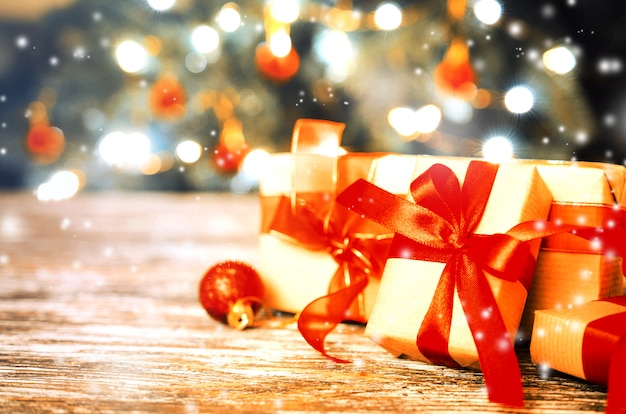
(99, 313)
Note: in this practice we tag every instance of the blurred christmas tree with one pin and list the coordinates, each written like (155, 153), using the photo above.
(187, 94)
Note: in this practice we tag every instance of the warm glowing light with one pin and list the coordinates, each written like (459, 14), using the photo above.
(559, 60)
(388, 16)
(403, 120)
(189, 151)
(131, 56)
(519, 100)
(408, 122)
(488, 11)
(280, 44)
(61, 185)
(333, 46)
(124, 150)
(255, 163)
(427, 118)
(229, 18)
(497, 149)
(205, 39)
(161, 5)
(284, 11)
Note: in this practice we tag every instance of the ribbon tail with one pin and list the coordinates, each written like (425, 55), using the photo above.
(616, 397)
(496, 353)
(322, 315)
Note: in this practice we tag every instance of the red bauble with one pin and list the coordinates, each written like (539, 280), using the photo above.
(229, 160)
(167, 98)
(277, 69)
(226, 283)
(45, 143)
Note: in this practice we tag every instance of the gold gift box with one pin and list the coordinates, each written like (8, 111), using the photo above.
(408, 286)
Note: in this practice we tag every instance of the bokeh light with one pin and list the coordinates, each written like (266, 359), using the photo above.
(427, 118)
(559, 60)
(519, 100)
(60, 186)
(255, 163)
(497, 149)
(229, 18)
(161, 5)
(284, 11)
(388, 16)
(488, 11)
(131, 56)
(127, 151)
(188, 151)
(205, 39)
(280, 44)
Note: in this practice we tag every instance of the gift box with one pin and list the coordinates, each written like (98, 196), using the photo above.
(309, 246)
(572, 270)
(587, 341)
(446, 295)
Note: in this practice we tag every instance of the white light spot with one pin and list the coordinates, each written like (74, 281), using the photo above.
(54, 61)
(255, 163)
(21, 42)
(124, 150)
(4, 260)
(488, 11)
(519, 100)
(284, 11)
(205, 39)
(189, 151)
(609, 66)
(131, 56)
(161, 5)
(427, 118)
(559, 60)
(497, 149)
(388, 16)
(280, 44)
(61, 185)
(229, 18)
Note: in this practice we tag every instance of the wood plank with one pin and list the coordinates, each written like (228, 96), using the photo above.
(99, 313)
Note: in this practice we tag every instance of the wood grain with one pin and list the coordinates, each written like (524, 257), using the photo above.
(99, 313)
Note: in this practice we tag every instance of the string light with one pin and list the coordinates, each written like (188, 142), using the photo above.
(188, 151)
(497, 149)
(161, 5)
(205, 39)
(229, 18)
(388, 16)
(488, 11)
(131, 56)
(519, 100)
(559, 60)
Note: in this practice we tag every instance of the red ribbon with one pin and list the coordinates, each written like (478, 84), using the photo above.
(359, 255)
(604, 355)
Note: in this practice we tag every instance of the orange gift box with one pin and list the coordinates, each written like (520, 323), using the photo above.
(309, 246)
(570, 270)
(587, 341)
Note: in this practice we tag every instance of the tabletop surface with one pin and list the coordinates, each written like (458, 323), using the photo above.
(99, 313)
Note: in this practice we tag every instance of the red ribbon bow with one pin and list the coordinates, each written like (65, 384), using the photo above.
(359, 255)
(439, 227)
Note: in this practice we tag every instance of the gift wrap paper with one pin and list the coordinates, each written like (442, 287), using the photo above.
(566, 340)
(407, 286)
(568, 271)
(294, 275)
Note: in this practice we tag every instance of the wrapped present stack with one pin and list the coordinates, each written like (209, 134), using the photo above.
(446, 259)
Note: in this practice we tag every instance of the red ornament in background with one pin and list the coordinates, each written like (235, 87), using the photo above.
(277, 69)
(231, 292)
(168, 98)
(228, 160)
(454, 75)
(45, 143)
